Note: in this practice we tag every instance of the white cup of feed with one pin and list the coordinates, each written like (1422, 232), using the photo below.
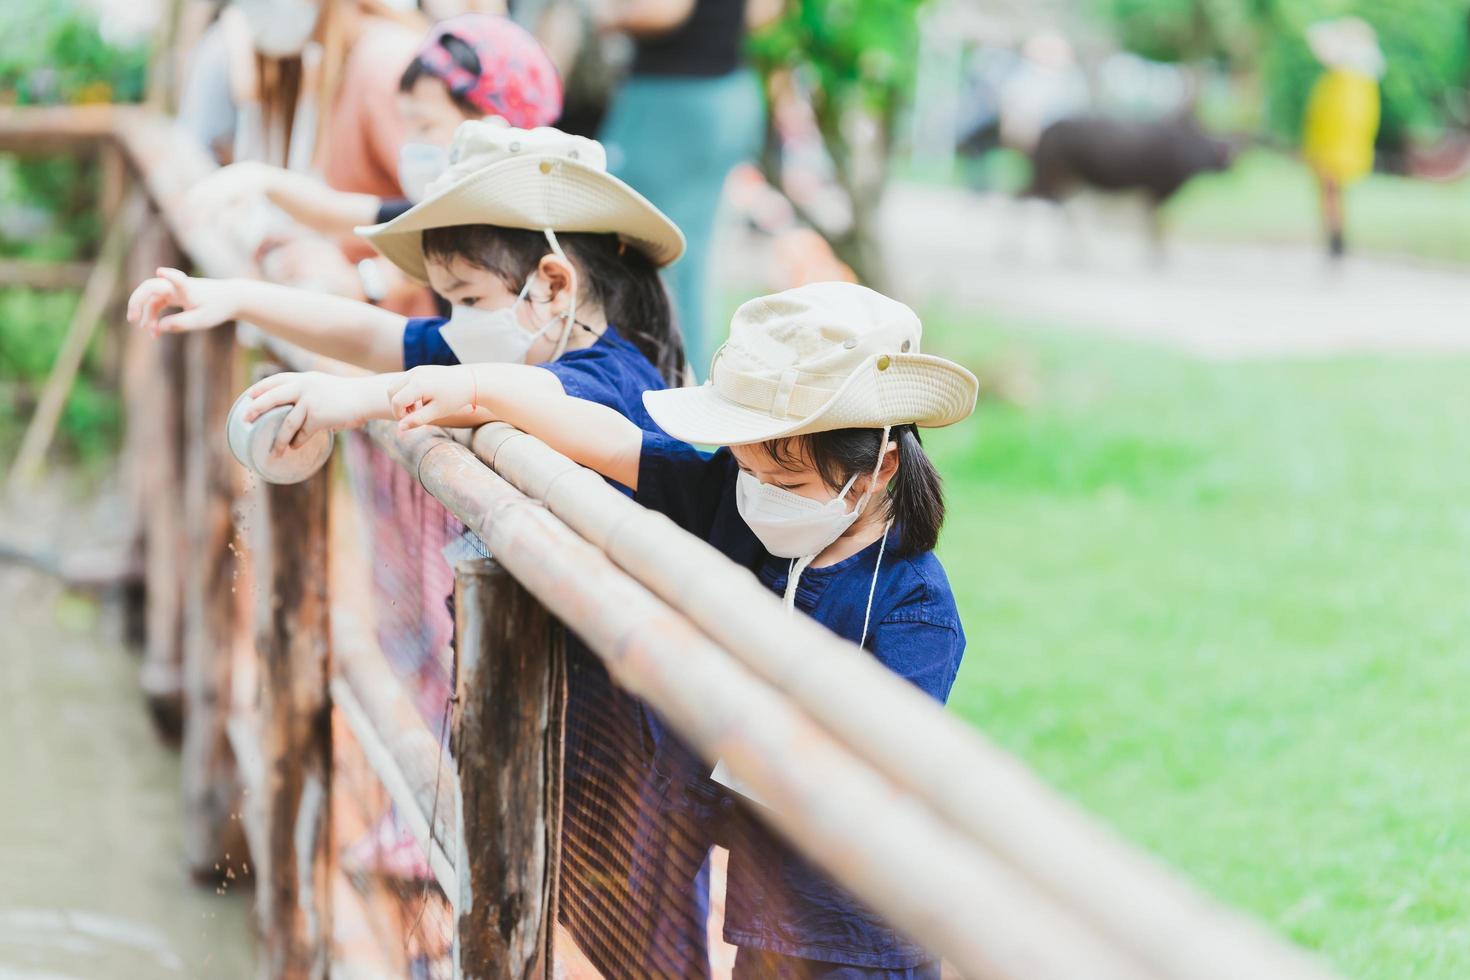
(251, 443)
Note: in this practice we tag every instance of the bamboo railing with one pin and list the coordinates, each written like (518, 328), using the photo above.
(951, 839)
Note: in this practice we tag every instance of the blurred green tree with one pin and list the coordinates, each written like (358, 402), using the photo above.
(1425, 42)
(855, 59)
(53, 52)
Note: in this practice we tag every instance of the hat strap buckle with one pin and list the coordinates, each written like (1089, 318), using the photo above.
(782, 399)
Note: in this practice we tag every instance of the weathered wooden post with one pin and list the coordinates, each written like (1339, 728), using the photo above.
(293, 890)
(210, 788)
(511, 693)
(152, 385)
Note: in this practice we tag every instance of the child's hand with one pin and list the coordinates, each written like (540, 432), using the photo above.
(229, 185)
(429, 393)
(202, 303)
(322, 401)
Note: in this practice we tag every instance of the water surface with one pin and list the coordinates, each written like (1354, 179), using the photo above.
(91, 880)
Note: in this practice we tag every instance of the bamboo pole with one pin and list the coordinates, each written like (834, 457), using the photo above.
(44, 275)
(55, 129)
(102, 284)
(385, 766)
(879, 841)
(293, 890)
(1138, 903)
(510, 691)
(406, 756)
(409, 746)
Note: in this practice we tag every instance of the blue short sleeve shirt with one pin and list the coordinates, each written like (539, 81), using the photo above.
(776, 900)
(611, 372)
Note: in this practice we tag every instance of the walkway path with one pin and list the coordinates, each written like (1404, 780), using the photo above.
(945, 245)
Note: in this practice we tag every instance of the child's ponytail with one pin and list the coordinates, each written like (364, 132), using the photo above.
(916, 495)
(626, 284)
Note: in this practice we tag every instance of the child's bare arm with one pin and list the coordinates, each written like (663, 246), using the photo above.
(343, 329)
(305, 198)
(334, 401)
(532, 400)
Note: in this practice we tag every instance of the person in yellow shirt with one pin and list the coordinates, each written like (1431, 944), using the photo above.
(1341, 121)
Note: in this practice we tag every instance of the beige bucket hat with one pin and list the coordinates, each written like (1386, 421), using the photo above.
(526, 178)
(829, 355)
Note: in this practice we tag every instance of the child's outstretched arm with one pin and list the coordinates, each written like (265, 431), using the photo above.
(532, 400)
(304, 198)
(343, 329)
(334, 401)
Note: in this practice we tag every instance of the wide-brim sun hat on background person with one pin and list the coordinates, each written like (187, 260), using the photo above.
(828, 355)
(1349, 43)
(538, 179)
(517, 80)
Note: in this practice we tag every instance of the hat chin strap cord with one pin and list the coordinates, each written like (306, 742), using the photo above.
(570, 316)
(799, 565)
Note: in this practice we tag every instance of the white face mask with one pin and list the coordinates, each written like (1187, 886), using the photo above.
(496, 336)
(790, 525)
(419, 164)
(280, 28)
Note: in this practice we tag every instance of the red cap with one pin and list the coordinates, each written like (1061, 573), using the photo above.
(517, 80)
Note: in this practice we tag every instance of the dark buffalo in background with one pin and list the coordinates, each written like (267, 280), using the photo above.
(1114, 155)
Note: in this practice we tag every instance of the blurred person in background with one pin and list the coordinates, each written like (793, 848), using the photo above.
(308, 81)
(1341, 121)
(592, 63)
(309, 78)
(1046, 86)
(473, 66)
(688, 113)
(205, 95)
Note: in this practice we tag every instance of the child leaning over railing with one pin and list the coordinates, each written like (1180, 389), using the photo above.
(826, 494)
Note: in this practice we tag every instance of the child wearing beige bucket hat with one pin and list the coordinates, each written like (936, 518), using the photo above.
(544, 257)
(824, 492)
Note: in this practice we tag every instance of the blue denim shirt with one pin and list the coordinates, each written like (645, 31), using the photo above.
(611, 372)
(776, 901)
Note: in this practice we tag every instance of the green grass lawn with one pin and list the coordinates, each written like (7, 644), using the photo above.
(1224, 606)
(1272, 197)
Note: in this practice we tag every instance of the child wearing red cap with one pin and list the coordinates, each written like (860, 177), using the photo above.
(474, 66)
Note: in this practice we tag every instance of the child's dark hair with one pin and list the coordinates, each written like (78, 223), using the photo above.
(621, 280)
(463, 56)
(915, 495)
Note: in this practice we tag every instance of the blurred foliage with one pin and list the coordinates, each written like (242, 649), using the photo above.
(52, 52)
(1425, 42)
(856, 53)
(32, 325)
(852, 57)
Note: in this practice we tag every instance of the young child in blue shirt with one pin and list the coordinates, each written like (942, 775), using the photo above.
(824, 492)
(544, 256)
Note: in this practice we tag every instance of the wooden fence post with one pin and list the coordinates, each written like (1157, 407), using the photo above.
(293, 891)
(210, 788)
(152, 386)
(511, 691)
